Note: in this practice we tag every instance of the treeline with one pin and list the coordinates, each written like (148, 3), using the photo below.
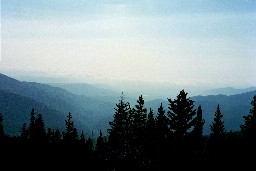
(138, 139)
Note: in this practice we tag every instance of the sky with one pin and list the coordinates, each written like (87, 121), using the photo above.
(199, 42)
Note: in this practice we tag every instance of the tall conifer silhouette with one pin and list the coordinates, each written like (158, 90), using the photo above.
(217, 127)
(181, 122)
(182, 115)
(119, 131)
(248, 129)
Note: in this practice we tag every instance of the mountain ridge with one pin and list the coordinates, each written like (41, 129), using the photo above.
(82, 108)
(229, 91)
(92, 114)
(233, 108)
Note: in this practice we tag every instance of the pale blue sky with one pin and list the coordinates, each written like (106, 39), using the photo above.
(199, 42)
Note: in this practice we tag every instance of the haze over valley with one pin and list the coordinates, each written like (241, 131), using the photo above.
(93, 107)
(128, 85)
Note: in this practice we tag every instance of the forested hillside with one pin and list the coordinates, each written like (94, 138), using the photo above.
(138, 139)
(89, 113)
(92, 114)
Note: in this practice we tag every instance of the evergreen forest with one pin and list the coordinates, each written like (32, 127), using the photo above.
(138, 139)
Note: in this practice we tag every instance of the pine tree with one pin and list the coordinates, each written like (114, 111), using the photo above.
(101, 152)
(70, 136)
(100, 144)
(31, 129)
(217, 127)
(40, 134)
(248, 129)
(198, 129)
(162, 138)
(215, 141)
(181, 115)
(150, 127)
(150, 139)
(119, 130)
(139, 117)
(197, 137)
(162, 129)
(138, 129)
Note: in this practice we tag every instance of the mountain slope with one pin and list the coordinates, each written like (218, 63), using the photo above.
(232, 107)
(85, 89)
(16, 111)
(87, 112)
(228, 91)
(94, 113)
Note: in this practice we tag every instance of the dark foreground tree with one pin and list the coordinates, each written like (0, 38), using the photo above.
(100, 153)
(215, 141)
(70, 136)
(119, 133)
(248, 130)
(197, 138)
(161, 140)
(150, 140)
(162, 130)
(181, 115)
(138, 125)
(181, 122)
(217, 127)
(31, 129)
(40, 134)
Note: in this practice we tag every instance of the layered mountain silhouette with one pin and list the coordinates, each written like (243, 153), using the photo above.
(92, 108)
(54, 103)
(229, 91)
(86, 90)
(233, 108)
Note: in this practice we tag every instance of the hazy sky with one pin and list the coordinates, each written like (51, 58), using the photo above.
(200, 42)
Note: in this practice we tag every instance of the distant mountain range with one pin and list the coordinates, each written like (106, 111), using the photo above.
(228, 91)
(93, 107)
(18, 98)
(88, 90)
(233, 108)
